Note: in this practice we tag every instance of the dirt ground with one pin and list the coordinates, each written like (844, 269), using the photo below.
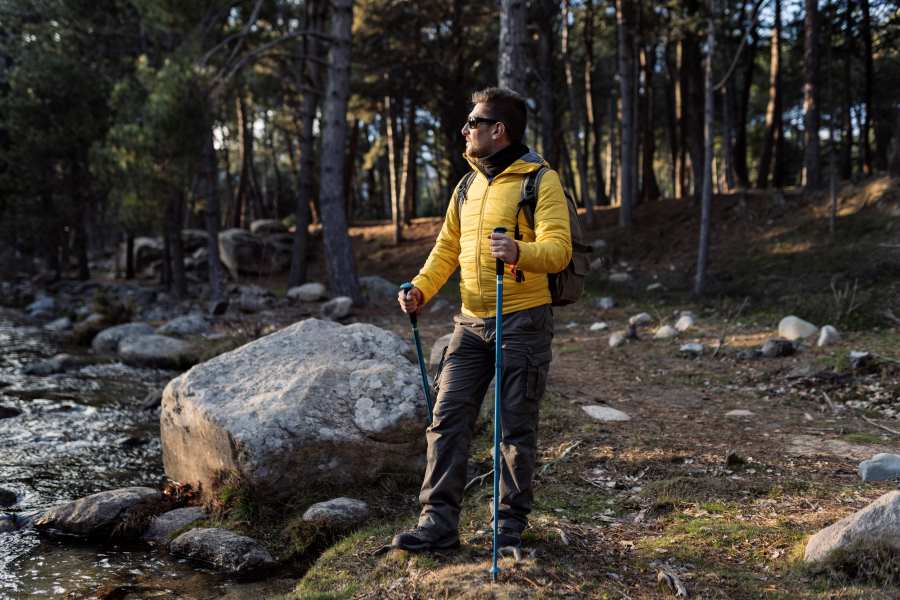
(682, 492)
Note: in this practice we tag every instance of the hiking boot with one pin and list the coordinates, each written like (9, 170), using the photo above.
(423, 539)
(509, 539)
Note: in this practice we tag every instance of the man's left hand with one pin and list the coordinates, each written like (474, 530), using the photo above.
(504, 248)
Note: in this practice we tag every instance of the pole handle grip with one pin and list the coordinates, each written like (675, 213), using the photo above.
(406, 288)
(499, 262)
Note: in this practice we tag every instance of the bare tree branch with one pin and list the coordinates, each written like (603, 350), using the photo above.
(740, 49)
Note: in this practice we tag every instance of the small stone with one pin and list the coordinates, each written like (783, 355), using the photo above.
(377, 289)
(739, 412)
(598, 264)
(223, 550)
(184, 326)
(599, 326)
(337, 513)
(604, 302)
(61, 324)
(619, 277)
(438, 305)
(684, 322)
(656, 287)
(599, 245)
(571, 324)
(308, 292)
(163, 526)
(107, 341)
(881, 467)
(777, 347)
(691, 349)
(862, 361)
(337, 308)
(794, 328)
(640, 319)
(828, 336)
(617, 338)
(665, 332)
(605, 413)
(98, 514)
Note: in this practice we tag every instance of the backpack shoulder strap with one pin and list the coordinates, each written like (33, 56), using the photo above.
(531, 186)
(462, 188)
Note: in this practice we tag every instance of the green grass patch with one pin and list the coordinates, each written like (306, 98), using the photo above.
(686, 490)
(862, 437)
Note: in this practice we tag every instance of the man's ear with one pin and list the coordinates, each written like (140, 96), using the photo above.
(500, 130)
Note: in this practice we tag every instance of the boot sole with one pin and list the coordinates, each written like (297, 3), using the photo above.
(429, 546)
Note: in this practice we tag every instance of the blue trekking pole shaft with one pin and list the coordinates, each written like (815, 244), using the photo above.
(498, 365)
(414, 321)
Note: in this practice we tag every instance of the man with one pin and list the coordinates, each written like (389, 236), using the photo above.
(493, 132)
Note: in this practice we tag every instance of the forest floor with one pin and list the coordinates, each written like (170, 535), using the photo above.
(723, 503)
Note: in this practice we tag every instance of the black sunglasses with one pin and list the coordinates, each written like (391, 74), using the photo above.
(473, 122)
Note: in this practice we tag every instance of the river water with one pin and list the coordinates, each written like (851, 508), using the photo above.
(77, 433)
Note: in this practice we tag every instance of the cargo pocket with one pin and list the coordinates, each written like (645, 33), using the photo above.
(536, 381)
(436, 380)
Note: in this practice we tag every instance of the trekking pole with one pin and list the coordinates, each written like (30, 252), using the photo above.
(498, 363)
(414, 321)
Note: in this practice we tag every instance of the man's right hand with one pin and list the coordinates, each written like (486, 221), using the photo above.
(411, 302)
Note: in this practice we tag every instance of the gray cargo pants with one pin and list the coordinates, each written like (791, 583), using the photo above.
(467, 369)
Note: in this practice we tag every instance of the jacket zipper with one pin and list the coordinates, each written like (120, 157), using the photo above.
(487, 190)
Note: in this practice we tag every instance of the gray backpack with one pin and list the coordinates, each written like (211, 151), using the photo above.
(566, 286)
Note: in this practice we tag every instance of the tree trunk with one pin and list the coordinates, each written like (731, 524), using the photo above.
(350, 170)
(176, 245)
(390, 120)
(576, 118)
(894, 167)
(847, 121)
(339, 252)
(548, 21)
(773, 110)
(649, 186)
(741, 170)
(812, 179)
(410, 173)
(866, 148)
(209, 175)
(671, 116)
(682, 119)
(248, 191)
(729, 106)
(512, 69)
(708, 134)
(129, 255)
(594, 124)
(625, 27)
(694, 99)
(612, 153)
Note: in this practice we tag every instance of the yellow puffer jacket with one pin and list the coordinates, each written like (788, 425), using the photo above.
(463, 241)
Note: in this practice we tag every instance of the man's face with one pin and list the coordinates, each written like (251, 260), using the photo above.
(481, 132)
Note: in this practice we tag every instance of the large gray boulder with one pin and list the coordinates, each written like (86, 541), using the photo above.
(156, 352)
(337, 513)
(336, 308)
(107, 341)
(308, 292)
(881, 467)
(184, 325)
(99, 514)
(378, 289)
(877, 525)
(316, 401)
(163, 526)
(222, 550)
(794, 328)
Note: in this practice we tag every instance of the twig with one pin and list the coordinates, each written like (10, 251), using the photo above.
(880, 426)
(561, 457)
(478, 480)
(830, 403)
(732, 319)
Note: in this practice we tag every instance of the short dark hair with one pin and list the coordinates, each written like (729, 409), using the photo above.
(507, 106)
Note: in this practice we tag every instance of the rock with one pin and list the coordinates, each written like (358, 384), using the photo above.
(684, 322)
(41, 308)
(59, 325)
(739, 412)
(794, 328)
(243, 252)
(337, 513)
(84, 331)
(156, 352)
(7, 497)
(619, 277)
(147, 250)
(605, 413)
(656, 287)
(598, 264)
(777, 347)
(599, 245)
(605, 302)
(881, 467)
(751, 354)
(828, 336)
(163, 526)
(878, 525)
(599, 326)
(308, 292)
(438, 305)
(313, 402)
(252, 298)
(437, 350)
(617, 338)
(337, 308)
(267, 226)
(7, 523)
(218, 308)
(99, 514)
(194, 241)
(692, 349)
(43, 368)
(862, 361)
(183, 326)
(640, 319)
(665, 332)
(222, 550)
(378, 289)
(107, 341)
(8, 412)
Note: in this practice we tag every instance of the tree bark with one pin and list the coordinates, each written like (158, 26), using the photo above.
(847, 120)
(773, 110)
(649, 186)
(894, 167)
(576, 118)
(549, 20)
(694, 101)
(512, 69)
(625, 27)
(176, 245)
(741, 170)
(390, 120)
(410, 173)
(612, 153)
(812, 178)
(339, 252)
(209, 172)
(867, 163)
(594, 123)
(708, 135)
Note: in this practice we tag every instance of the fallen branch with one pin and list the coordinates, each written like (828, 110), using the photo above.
(477, 480)
(879, 425)
(830, 403)
(561, 457)
(727, 330)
